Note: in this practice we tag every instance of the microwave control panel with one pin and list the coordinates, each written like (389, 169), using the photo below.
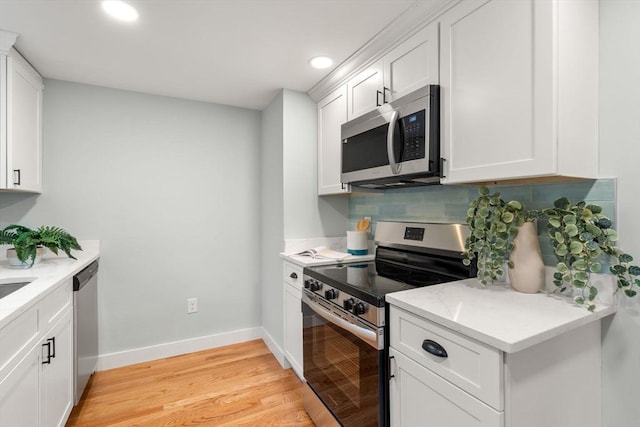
(413, 127)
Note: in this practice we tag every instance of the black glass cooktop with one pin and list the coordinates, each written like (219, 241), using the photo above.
(371, 281)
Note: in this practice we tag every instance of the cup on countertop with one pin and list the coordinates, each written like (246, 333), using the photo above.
(357, 243)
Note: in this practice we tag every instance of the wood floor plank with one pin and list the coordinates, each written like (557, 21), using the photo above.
(237, 385)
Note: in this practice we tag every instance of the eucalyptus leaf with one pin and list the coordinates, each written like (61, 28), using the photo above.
(554, 222)
(576, 247)
(625, 258)
(634, 270)
(571, 230)
(562, 203)
(561, 250)
(594, 208)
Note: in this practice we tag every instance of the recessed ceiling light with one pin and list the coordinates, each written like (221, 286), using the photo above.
(120, 10)
(321, 62)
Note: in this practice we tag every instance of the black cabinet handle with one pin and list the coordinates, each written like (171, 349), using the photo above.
(293, 275)
(389, 369)
(442, 160)
(16, 177)
(378, 93)
(48, 345)
(53, 346)
(434, 348)
(384, 94)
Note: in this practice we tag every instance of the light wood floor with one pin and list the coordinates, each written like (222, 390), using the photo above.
(237, 385)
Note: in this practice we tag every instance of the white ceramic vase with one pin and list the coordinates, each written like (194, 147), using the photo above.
(527, 274)
(16, 263)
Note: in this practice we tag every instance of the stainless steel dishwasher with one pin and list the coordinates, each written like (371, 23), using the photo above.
(85, 327)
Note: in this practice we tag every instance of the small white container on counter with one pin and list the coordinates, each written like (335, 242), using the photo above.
(357, 243)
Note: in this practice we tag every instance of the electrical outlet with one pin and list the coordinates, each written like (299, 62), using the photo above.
(192, 305)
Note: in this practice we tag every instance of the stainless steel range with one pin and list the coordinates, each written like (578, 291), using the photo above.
(344, 335)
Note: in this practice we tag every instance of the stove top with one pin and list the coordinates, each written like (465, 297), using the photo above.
(371, 281)
(408, 255)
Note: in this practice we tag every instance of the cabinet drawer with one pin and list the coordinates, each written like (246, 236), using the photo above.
(418, 398)
(18, 336)
(469, 364)
(56, 303)
(292, 275)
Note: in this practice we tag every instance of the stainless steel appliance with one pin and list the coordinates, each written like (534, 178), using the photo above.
(85, 327)
(345, 343)
(396, 145)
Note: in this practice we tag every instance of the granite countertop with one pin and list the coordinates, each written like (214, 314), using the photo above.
(496, 314)
(45, 275)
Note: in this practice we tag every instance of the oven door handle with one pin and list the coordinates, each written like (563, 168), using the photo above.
(366, 335)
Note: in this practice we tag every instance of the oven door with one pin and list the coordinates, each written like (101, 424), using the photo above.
(344, 363)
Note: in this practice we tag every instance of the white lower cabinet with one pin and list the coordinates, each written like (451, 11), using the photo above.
(292, 319)
(419, 397)
(20, 403)
(553, 383)
(36, 363)
(57, 374)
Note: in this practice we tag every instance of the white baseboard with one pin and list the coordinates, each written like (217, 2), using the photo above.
(275, 349)
(176, 348)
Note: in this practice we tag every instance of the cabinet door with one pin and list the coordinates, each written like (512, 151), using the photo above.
(332, 113)
(413, 64)
(20, 392)
(497, 90)
(364, 91)
(24, 125)
(57, 376)
(419, 397)
(293, 328)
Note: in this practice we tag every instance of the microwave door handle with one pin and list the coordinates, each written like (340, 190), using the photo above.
(395, 167)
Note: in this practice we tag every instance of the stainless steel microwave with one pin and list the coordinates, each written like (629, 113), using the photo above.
(396, 145)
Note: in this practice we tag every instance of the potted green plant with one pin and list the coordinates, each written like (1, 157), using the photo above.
(26, 242)
(579, 235)
(494, 224)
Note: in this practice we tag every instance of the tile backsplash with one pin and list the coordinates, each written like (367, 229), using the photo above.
(444, 203)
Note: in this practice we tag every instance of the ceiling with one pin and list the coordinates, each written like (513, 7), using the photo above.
(233, 52)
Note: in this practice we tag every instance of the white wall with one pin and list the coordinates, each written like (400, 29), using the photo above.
(171, 189)
(306, 214)
(291, 208)
(620, 156)
(271, 221)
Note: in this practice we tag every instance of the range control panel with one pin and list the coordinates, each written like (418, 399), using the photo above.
(368, 312)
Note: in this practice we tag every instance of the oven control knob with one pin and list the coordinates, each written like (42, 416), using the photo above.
(359, 308)
(348, 304)
(315, 286)
(331, 294)
(307, 283)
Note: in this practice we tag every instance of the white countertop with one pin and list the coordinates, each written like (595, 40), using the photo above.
(46, 275)
(496, 314)
(305, 261)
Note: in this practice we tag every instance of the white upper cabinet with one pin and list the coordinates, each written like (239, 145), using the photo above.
(409, 66)
(364, 91)
(519, 89)
(332, 113)
(21, 123)
(412, 65)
